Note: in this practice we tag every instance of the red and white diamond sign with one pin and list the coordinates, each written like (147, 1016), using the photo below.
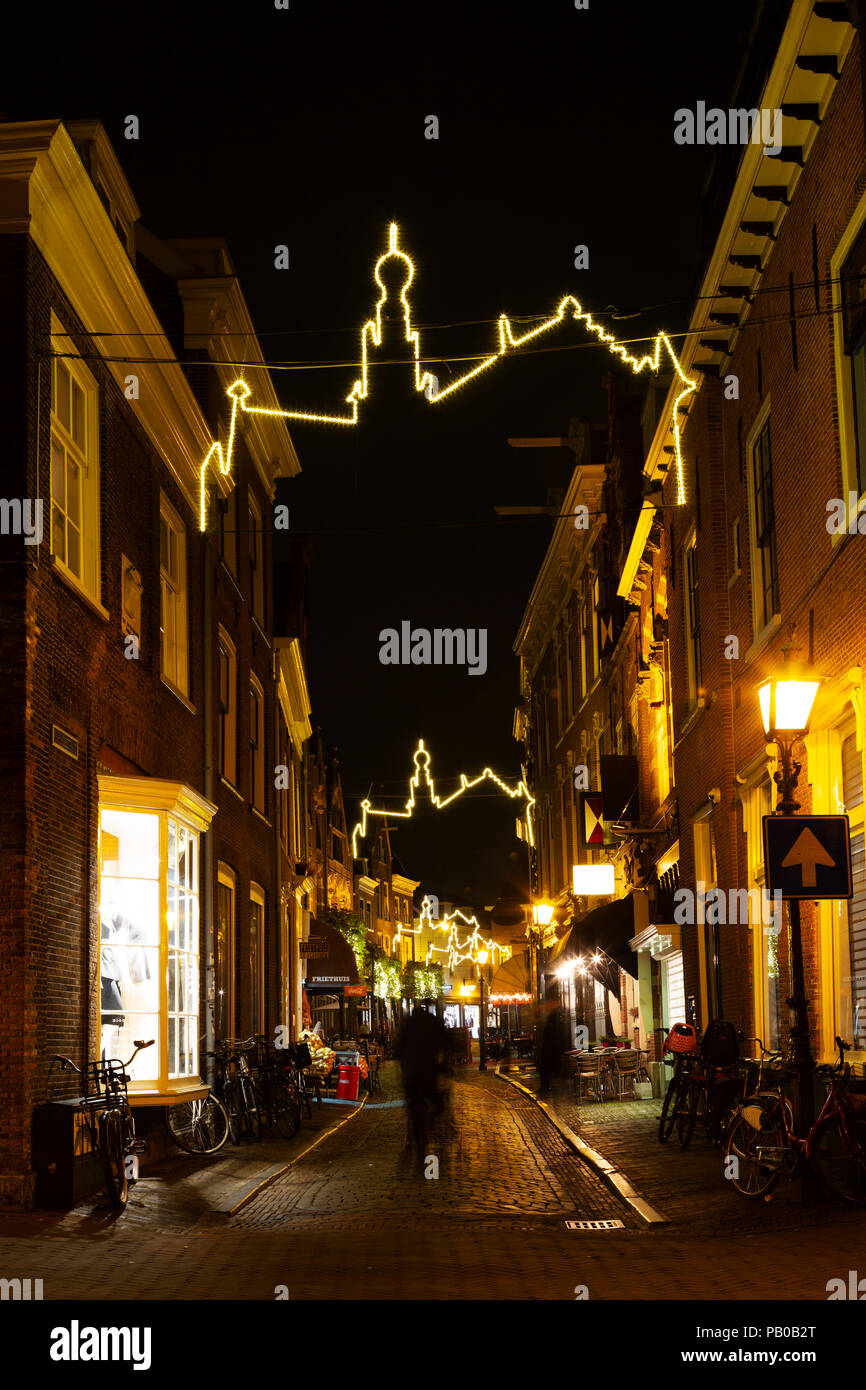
(590, 818)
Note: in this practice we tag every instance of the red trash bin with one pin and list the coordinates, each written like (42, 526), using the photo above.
(348, 1082)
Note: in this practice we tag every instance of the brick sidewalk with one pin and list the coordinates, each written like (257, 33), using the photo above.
(687, 1187)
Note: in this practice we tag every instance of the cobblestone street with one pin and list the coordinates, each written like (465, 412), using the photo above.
(351, 1219)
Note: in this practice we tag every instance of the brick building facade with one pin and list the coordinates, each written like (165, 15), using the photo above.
(728, 557)
(139, 672)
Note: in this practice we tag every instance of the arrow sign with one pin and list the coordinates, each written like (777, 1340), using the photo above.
(807, 851)
(807, 856)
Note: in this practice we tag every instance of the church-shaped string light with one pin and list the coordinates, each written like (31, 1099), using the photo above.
(423, 777)
(426, 383)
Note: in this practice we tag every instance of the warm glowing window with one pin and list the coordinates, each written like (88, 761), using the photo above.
(75, 468)
(227, 708)
(174, 663)
(765, 570)
(853, 345)
(256, 547)
(224, 952)
(593, 619)
(149, 927)
(693, 619)
(257, 746)
(257, 959)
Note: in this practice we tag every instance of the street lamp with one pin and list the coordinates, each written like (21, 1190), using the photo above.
(481, 960)
(786, 701)
(542, 916)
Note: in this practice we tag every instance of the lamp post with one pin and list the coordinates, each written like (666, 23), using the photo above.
(481, 960)
(542, 916)
(786, 700)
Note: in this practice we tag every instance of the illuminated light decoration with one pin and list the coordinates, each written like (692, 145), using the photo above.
(456, 951)
(496, 999)
(427, 384)
(421, 759)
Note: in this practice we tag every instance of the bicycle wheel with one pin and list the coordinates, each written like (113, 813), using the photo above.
(251, 1109)
(687, 1112)
(840, 1158)
(234, 1110)
(198, 1126)
(676, 1089)
(750, 1176)
(286, 1110)
(112, 1134)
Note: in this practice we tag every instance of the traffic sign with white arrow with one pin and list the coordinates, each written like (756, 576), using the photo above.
(807, 856)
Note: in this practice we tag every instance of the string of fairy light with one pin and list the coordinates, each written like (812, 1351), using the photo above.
(426, 383)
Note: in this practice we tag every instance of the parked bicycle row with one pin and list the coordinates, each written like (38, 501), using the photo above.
(742, 1105)
(255, 1085)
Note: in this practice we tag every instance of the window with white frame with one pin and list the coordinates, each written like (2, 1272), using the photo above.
(257, 745)
(227, 708)
(256, 551)
(149, 927)
(174, 661)
(762, 526)
(75, 467)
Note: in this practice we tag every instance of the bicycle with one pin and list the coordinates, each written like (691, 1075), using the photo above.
(198, 1126)
(109, 1118)
(234, 1086)
(762, 1144)
(711, 1086)
(681, 1042)
(275, 1089)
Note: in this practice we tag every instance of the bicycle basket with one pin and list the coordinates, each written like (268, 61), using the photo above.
(681, 1038)
(854, 1098)
(719, 1046)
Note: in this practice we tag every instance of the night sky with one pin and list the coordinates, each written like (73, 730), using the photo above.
(306, 127)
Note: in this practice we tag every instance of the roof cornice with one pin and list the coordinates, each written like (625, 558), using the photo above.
(67, 222)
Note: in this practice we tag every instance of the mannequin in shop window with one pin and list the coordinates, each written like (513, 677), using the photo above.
(125, 971)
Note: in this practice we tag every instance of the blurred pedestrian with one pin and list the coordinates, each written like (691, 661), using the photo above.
(550, 1044)
(420, 1047)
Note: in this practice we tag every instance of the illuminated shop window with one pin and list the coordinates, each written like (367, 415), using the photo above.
(149, 927)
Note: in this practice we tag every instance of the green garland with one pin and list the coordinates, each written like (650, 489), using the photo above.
(422, 981)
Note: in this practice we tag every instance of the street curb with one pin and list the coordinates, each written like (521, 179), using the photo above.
(262, 1183)
(600, 1165)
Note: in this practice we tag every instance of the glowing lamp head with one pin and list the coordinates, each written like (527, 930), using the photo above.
(787, 697)
(542, 914)
(482, 957)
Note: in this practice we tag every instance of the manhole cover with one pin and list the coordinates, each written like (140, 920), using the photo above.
(595, 1225)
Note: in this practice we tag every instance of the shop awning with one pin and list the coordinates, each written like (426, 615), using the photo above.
(559, 947)
(330, 960)
(511, 978)
(610, 929)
